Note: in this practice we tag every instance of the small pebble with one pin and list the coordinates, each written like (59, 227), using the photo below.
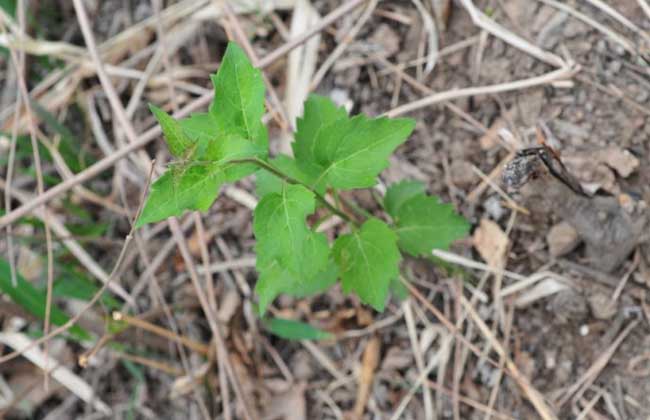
(494, 208)
(602, 306)
(568, 306)
(615, 66)
(462, 174)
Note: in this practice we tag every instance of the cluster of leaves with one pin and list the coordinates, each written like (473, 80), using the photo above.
(333, 153)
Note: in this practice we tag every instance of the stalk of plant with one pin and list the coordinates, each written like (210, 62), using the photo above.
(333, 152)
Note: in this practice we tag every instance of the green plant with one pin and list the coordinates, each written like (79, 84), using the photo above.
(333, 153)
(32, 300)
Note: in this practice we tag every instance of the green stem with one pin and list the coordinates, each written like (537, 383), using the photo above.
(361, 212)
(275, 171)
(337, 201)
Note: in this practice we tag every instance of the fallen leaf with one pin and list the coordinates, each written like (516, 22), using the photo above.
(184, 384)
(621, 160)
(397, 358)
(491, 242)
(592, 173)
(289, 405)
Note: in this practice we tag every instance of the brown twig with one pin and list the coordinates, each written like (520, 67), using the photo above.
(162, 332)
(576, 390)
(343, 44)
(553, 76)
(511, 368)
(7, 195)
(341, 11)
(223, 359)
(533, 395)
(22, 86)
(210, 315)
(470, 402)
(369, 364)
(424, 89)
(63, 233)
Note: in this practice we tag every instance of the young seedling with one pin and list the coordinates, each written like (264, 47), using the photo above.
(333, 153)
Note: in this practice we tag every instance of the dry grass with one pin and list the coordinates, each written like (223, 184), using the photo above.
(453, 349)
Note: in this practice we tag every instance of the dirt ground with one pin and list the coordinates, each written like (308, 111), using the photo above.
(555, 335)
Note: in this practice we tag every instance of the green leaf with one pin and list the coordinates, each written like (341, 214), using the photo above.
(267, 182)
(344, 152)
(319, 113)
(368, 261)
(88, 230)
(422, 222)
(398, 289)
(295, 330)
(201, 127)
(208, 143)
(9, 6)
(274, 280)
(401, 192)
(33, 300)
(319, 281)
(238, 105)
(68, 145)
(291, 258)
(73, 284)
(280, 226)
(177, 140)
(194, 185)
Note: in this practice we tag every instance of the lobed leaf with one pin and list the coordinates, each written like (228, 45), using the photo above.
(318, 115)
(238, 105)
(344, 152)
(368, 261)
(201, 128)
(401, 192)
(422, 222)
(194, 185)
(291, 258)
(274, 280)
(208, 143)
(267, 182)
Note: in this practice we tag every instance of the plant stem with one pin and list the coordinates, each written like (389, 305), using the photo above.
(361, 212)
(275, 171)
